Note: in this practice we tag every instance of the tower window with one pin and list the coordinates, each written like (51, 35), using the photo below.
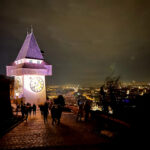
(30, 61)
(38, 62)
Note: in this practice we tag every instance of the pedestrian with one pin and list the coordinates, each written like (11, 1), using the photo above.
(41, 109)
(17, 109)
(22, 109)
(60, 102)
(29, 109)
(45, 111)
(80, 111)
(34, 109)
(26, 108)
(87, 108)
(54, 114)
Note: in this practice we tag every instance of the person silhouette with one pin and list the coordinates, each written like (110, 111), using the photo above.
(80, 111)
(34, 109)
(57, 109)
(45, 112)
(87, 108)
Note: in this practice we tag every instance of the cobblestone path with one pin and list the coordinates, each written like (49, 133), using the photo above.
(35, 134)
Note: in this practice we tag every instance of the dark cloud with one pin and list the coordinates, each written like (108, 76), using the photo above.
(84, 40)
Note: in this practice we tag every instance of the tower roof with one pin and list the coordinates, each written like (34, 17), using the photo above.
(30, 48)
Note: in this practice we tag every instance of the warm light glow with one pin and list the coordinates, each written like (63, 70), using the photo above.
(110, 111)
(17, 94)
(18, 89)
(34, 88)
(141, 93)
(52, 97)
(36, 84)
(96, 107)
(87, 97)
(128, 92)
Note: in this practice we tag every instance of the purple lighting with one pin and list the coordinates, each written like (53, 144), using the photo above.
(29, 60)
(29, 71)
(30, 48)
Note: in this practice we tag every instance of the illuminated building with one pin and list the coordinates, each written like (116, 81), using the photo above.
(29, 71)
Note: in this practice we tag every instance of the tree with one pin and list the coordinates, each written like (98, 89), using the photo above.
(111, 84)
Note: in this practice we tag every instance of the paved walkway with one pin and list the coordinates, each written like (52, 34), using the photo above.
(35, 134)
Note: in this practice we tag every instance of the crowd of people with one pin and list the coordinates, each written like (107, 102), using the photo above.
(55, 108)
(27, 109)
(83, 110)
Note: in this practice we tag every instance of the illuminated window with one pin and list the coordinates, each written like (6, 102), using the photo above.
(27, 60)
(30, 61)
(19, 61)
(38, 62)
(34, 61)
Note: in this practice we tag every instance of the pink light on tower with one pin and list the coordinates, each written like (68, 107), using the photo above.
(29, 70)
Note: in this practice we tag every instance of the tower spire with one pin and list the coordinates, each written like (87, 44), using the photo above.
(30, 48)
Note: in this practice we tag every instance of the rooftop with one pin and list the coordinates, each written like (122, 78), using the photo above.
(30, 48)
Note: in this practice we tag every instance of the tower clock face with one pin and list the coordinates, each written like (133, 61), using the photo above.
(36, 84)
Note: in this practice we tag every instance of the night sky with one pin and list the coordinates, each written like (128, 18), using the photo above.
(84, 40)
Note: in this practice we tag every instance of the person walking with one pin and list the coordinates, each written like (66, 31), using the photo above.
(80, 111)
(22, 110)
(87, 108)
(54, 114)
(60, 102)
(17, 109)
(45, 112)
(34, 109)
(29, 109)
(26, 111)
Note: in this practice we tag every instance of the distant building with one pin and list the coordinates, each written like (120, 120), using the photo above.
(29, 71)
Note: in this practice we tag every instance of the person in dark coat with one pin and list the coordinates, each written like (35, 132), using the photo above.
(87, 108)
(80, 111)
(17, 109)
(60, 101)
(57, 109)
(22, 110)
(29, 109)
(34, 109)
(45, 112)
(26, 111)
(54, 114)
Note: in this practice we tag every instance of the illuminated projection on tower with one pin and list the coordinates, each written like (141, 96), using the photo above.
(29, 70)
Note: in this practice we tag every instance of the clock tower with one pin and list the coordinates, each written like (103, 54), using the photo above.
(29, 71)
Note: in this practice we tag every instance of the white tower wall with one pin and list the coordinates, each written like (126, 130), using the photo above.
(35, 94)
